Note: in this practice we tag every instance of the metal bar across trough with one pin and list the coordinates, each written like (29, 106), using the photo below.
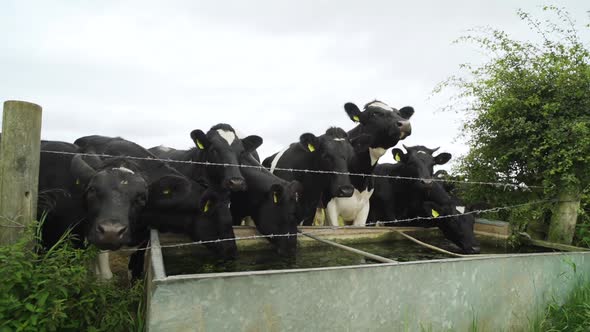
(356, 251)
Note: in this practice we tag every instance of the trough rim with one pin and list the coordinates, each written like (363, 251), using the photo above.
(241, 274)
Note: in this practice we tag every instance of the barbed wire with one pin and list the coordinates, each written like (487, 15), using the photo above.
(325, 229)
(207, 163)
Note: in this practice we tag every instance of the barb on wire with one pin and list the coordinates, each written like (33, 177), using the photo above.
(333, 228)
(206, 163)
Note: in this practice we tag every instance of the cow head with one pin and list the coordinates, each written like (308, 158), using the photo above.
(419, 162)
(115, 191)
(458, 229)
(278, 215)
(221, 145)
(384, 125)
(215, 222)
(332, 152)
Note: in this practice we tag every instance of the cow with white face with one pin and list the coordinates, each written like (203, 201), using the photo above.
(220, 145)
(379, 128)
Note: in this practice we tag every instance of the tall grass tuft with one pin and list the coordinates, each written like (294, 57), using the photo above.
(54, 290)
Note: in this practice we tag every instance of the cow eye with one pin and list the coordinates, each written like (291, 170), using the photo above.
(91, 191)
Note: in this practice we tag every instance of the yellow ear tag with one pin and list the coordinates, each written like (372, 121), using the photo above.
(435, 213)
(206, 207)
(398, 158)
(166, 191)
(199, 144)
(311, 147)
(77, 182)
(275, 198)
(356, 118)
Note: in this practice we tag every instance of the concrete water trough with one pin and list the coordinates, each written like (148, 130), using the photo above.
(492, 292)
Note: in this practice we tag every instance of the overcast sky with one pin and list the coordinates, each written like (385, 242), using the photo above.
(152, 71)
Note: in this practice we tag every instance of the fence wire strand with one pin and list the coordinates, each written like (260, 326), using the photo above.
(206, 163)
(326, 229)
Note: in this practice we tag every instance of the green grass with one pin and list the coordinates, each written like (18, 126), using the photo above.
(56, 291)
(573, 315)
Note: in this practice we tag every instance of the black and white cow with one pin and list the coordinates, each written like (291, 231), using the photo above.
(99, 200)
(395, 198)
(272, 203)
(174, 198)
(331, 151)
(220, 145)
(379, 128)
(269, 200)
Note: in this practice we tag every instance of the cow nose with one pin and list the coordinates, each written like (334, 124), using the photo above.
(236, 184)
(111, 231)
(405, 129)
(426, 181)
(345, 191)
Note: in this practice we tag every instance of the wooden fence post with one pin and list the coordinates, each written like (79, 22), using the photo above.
(19, 168)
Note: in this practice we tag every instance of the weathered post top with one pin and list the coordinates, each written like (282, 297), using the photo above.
(19, 167)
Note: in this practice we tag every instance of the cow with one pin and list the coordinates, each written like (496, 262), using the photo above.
(379, 128)
(174, 198)
(406, 198)
(331, 151)
(272, 203)
(269, 200)
(220, 145)
(98, 200)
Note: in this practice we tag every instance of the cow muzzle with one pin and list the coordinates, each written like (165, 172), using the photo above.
(110, 235)
(236, 184)
(405, 129)
(345, 191)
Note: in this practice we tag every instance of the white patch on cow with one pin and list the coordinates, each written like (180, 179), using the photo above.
(353, 209)
(124, 170)
(375, 154)
(163, 148)
(340, 139)
(103, 266)
(461, 209)
(381, 105)
(229, 136)
(422, 152)
(276, 159)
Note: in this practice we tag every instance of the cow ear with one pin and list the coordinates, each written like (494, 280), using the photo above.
(440, 174)
(309, 142)
(406, 112)
(442, 158)
(276, 193)
(200, 139)
(81, 170)
(353, 111)
(398, 155)
(251, 143)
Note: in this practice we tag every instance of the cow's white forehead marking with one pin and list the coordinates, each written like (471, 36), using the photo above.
(339, 139)
(229, 136)
(422, 152)
(124, 170)
(380, 105)
(461, 209)
(164, 148)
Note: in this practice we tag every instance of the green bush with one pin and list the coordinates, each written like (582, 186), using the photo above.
(56, 291)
